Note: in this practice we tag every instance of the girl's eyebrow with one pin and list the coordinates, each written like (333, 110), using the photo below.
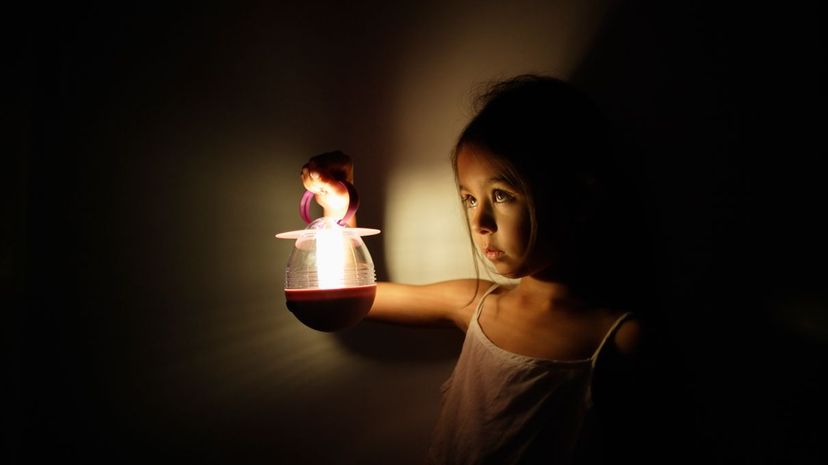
(492, 180)
(497, 179)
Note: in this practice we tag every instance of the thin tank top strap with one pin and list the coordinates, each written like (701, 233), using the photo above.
(609, 334)
(479, 308)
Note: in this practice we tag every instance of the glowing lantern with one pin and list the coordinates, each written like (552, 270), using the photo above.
(329, 280)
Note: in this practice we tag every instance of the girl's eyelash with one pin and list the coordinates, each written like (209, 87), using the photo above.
(468, 200)
(501, 196)
(498, 196)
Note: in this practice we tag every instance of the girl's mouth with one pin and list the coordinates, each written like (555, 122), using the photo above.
(492, 253)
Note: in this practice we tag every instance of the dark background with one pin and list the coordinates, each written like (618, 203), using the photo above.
(134, 133)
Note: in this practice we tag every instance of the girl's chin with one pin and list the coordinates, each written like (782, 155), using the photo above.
(509, 271)
(517, 271)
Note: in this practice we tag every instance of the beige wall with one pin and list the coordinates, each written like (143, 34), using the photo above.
(165, 150)
(187, 129)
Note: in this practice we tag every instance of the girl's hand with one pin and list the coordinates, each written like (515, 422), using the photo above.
(322, 175)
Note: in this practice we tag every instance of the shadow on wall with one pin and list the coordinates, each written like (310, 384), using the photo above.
(387, 343)
(738, 244)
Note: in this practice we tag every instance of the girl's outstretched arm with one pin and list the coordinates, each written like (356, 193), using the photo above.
(447, 303)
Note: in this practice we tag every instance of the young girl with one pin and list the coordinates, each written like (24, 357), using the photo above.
(534, 175)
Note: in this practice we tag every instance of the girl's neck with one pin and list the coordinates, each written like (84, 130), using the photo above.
(548, 295)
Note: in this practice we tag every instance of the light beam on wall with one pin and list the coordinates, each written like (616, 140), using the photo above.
(451, 53)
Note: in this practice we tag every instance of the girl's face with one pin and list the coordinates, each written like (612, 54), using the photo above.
(498, 213)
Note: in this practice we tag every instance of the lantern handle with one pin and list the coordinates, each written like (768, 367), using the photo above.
(353, 204)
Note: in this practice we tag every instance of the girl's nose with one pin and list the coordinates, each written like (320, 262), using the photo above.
(483, 221)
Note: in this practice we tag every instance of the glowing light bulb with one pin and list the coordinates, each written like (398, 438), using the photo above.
(329, 280)
(330, 258)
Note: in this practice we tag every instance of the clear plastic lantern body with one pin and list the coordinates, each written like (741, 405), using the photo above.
(330, 283)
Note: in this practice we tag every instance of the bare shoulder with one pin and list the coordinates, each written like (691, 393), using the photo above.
(629, 337)
(473, 290)
(626, 346)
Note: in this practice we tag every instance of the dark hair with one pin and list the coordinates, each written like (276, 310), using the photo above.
(553, 143)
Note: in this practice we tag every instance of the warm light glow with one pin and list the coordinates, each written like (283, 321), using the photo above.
(426, 239)
(425, 235)
(330, 257)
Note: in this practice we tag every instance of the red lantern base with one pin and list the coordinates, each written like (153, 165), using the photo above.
(331, 309)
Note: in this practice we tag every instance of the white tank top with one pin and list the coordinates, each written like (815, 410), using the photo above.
(503, 408)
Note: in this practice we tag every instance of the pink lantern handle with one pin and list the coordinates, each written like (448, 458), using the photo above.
(353, 204)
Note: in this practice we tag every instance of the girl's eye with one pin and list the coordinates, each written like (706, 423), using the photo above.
(469, 201)
(502, 196)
